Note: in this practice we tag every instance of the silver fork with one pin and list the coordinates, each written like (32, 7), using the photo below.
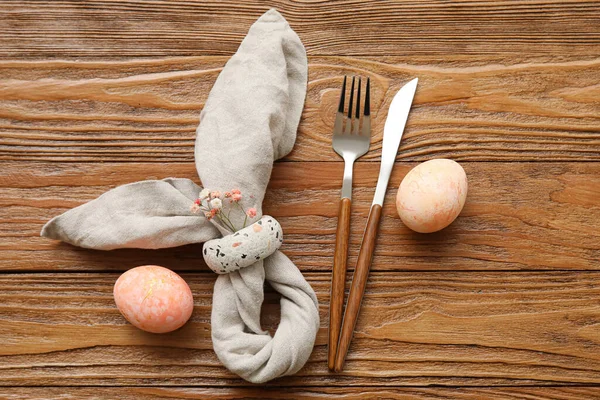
(351, 140)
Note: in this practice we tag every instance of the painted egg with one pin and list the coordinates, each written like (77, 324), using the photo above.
(153, 298)
(432, 195)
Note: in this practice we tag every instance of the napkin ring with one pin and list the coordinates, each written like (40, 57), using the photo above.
(244, 247)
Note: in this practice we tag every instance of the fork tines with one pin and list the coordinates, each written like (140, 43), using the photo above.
(352, 120)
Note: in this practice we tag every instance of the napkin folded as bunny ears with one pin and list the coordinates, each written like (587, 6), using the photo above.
(249, 120)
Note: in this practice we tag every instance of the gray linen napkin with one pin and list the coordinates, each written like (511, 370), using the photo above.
(249, 120)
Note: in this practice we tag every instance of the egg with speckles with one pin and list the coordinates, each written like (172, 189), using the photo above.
(432, 195)
(153, 298)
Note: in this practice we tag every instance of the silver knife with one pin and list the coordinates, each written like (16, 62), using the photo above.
(392, 134)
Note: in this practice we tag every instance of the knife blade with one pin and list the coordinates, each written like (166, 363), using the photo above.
(392, 134)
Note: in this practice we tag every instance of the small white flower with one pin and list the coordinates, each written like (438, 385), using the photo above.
(204, 194)
(216, 203)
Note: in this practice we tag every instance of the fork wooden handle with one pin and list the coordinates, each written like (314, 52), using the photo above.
(359, 282)
(338, 278)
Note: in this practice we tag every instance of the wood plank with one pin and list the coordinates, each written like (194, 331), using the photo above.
(444, 328)
(518, 216)
(309, 393)
(148, 110)
(192, 27)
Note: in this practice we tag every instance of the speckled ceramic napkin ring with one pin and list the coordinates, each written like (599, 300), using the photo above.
(244, 247)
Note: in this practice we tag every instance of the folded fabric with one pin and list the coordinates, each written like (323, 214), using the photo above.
(249, 120)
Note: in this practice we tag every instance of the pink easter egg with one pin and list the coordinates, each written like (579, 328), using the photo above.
(432, 195)
(154, 299)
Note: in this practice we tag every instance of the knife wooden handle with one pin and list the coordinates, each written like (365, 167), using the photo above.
(338, 278)
(359, 282)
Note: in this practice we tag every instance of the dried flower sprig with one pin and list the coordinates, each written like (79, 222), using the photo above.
(212, 205)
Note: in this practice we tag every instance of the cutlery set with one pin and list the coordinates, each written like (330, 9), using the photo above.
(351, 140)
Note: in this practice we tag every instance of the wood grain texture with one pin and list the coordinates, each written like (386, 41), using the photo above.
(100, 93)
(33, 29)
(416, 328)
(358, 285)
(338, 277)
(148, 110)
(310, 393)
(518, 216)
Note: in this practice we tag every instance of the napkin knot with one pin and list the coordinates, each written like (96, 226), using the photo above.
(244, 247)
(249, 120)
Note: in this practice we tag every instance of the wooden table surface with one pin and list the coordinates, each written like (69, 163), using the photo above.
(505, 303)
